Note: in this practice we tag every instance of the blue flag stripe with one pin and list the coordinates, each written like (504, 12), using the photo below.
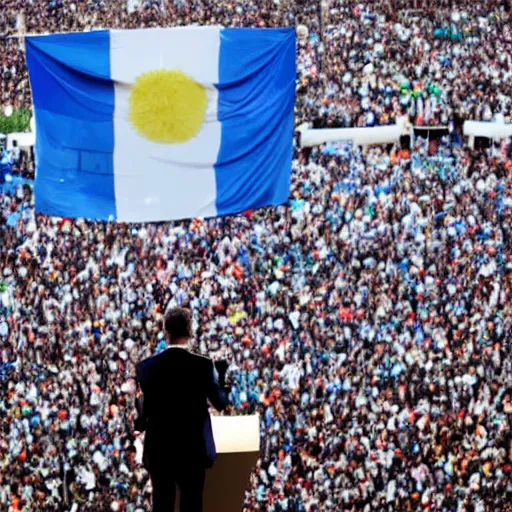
(256, 98)
(74, 102)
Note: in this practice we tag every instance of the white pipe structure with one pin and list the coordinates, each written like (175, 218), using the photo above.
(490, 130)
(359, 136)
(431, 128)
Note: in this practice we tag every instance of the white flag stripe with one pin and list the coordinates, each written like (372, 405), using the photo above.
(166, 191)
(181, 175)
(194, 50)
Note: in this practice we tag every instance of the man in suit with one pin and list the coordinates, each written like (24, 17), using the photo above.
(173, 411)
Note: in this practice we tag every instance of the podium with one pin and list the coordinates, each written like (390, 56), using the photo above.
(237, 439)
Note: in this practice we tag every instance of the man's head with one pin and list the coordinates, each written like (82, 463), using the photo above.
(178, 326)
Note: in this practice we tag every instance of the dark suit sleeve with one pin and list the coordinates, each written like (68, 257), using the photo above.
(217, 393)
(141, 420)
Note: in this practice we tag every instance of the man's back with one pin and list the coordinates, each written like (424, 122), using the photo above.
(177, 385)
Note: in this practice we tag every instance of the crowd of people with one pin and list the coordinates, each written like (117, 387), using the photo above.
(368, 321)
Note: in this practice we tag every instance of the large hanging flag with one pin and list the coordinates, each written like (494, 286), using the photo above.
(162, 124)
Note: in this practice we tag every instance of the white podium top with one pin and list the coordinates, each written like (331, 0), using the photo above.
(232, 434)
(235, 434)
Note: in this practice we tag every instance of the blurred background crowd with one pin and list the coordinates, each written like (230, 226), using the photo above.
(368, 321)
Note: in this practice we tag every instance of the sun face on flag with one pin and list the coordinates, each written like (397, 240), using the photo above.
(167, 106)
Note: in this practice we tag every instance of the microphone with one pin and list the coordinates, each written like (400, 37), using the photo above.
(222, 367)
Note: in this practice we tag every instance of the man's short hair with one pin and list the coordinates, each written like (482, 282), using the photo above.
(178, 323)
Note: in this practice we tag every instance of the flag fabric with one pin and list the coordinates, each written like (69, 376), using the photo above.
(162, 124)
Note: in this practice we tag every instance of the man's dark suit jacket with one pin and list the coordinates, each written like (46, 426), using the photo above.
(177, 386)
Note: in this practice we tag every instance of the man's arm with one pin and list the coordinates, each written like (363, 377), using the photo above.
(141, 420)
(216, 391)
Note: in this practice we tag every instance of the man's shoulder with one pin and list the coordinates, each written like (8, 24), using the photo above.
(170, 353)
(198, 362)
(142, 368)
(204, 360)
(149, 360)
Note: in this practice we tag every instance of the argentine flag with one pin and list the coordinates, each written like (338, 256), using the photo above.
(162, 124)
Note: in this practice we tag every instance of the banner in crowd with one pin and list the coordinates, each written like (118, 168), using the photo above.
(162, 124)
